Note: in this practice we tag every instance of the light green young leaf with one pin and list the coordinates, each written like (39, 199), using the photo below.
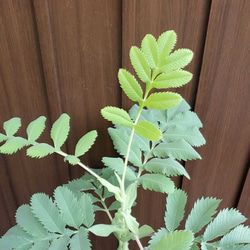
(60, 243)
(13, 144)
(157, 182)
(40, 150)
(150, 49)
(148, 130)
(201, 214)
(223, 222)
(117, 116)
(28, 222)
(162, 101)
(73, 160)
(87, 208)
(85, 143)
(35, 128)
(12, 126)
(47, 213)
(140, 64)
(68, 206)
(178, 240)
(177, 60)
(192, 135)
(179, 150)
(80, 240)
(60, 130)
(166, 43)
(145, 231)
(130, 85)
(238, 235)
(3, 137)
(173, 79)
(175, 208)
(168, 167)
(103, 230)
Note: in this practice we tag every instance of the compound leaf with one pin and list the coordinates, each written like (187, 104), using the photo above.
(130, 85)
(80, 240)
(13, 144)
(157, 182)
(12, 125)
(117, 116)
(175, 205)
(60, 130)
(201, 214)
(162, 101)
(35, 128)
(148, 130)
(140, 64)
(40, 150)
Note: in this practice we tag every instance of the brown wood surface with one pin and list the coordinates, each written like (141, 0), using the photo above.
(223, 105)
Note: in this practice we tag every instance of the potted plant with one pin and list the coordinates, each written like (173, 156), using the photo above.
(151, 139)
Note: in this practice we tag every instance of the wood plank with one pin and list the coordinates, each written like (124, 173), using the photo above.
(223, 105)
(188, 19)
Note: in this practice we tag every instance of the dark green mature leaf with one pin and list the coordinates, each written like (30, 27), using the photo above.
(35, 128)
(175, 208)
(157, 182)
(163, 100)
(201, 214)
(60, 130)
(12, 126)
(148, 130)
(68, 206)
(140, 64)
(47, 213)
(117, 116)
(80, 240)
(85, 143)
(150, 49)
(13, 144)
(130, 85)
(40, 150)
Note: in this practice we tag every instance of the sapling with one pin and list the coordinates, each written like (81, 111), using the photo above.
(157, 133)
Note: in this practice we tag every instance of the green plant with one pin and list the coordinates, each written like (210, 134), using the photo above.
(151, 139)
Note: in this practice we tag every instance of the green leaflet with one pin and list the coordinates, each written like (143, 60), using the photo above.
(178, 240)
(40, 245)
(111, 188)
(177, 60)
(68, 206)
(201, 214)
(60, 130)
(175, 208)
(60, 243)
(78, 185)
(131, 223)
(173, 79)
(3, 137)
(140, 64)
(148, 130)
(192, 135)
(130, 86)
(73, 160)
(156, 182)
(145, 231)
(157, 236)
(28, 222)
(117, 116)
(223, 222)
(12, 241)
(40, 150)
(162, 101)
(104, 230)
(179, 150)
(181, 107)
(47, 213)
(12, 126)
(80, 240)
(35, 128)
(85, 143)
(168, 167)
(131, 194)
(13, 144)
(150, 49)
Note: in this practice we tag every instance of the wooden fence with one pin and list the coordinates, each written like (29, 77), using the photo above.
(63, 56)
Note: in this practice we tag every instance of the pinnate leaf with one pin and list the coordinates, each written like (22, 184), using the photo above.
(13, 144)
(60, 130)
(12, 125)
(35, 128)
(163, 100)
(130, 85)
(157, 182)
(140, 64)
(148, 130)
(40, 150)
(117, 116)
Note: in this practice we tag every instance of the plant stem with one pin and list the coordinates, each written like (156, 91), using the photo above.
(138, 242)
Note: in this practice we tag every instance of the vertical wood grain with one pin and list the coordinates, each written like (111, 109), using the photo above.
(223, 105)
